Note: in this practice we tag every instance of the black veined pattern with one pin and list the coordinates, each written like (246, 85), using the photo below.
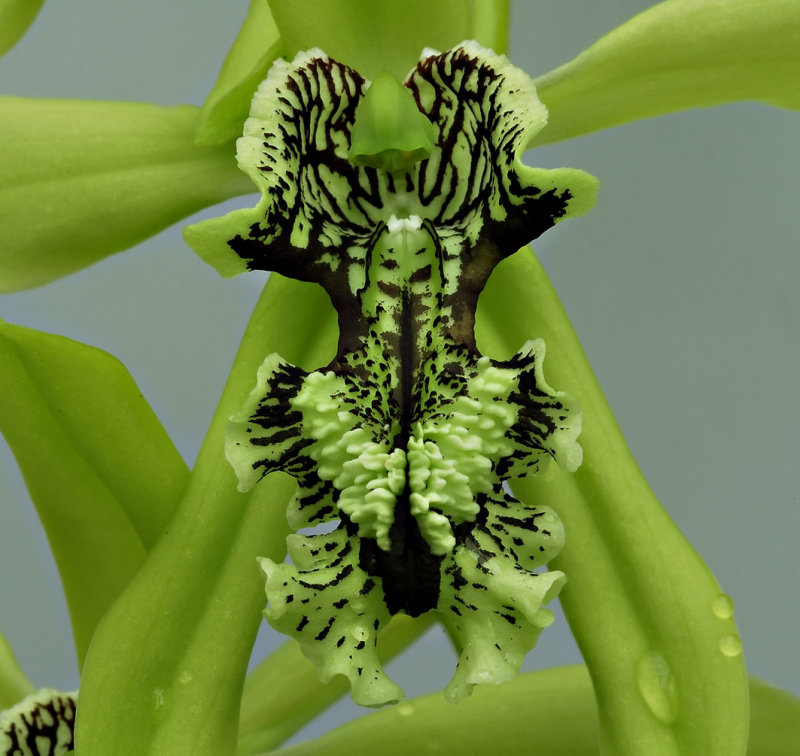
(42, 724)
(406, 438)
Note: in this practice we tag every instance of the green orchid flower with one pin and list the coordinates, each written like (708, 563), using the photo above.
(386, 145)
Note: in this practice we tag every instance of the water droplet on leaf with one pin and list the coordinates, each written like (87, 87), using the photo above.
(730, 645)
(405, 710)
(158, 695)
(657, 686)
(723, 606)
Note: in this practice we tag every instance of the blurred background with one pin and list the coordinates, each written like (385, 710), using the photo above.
(682, 284)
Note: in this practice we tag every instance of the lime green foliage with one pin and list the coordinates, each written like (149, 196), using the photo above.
(15, 18)
(676, 55)
(389, 131)
(671, 681)
(14, 685)
(407, 436)
(553, 711)
(104, 175)
(245, 67)
(103, 474)
(377, 36)
(42, 723)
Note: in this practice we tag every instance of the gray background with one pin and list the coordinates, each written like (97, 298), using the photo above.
(682, 285)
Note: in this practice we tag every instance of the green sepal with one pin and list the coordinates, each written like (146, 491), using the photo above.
(14, 685)
(102, 472)
(676, 55)
(372, 36)
(284, 692)
(548, 712)
(15, 18)
(489, 24)
(667, 668)
(389, 132)
(256, 46)
(81, 180)
(173, 651)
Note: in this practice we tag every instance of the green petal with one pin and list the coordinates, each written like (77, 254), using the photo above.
(14, 685)
(549, 713)
(256, 47)
(284, 692)
(101, 471)
(82, 180)
(651, 621)
(173, 651)
(372, 36)
(679, 54)
(15, 18)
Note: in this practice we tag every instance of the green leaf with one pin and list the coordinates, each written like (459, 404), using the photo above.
(14, 685)
(551, 712)
(173, 651)
(100, 468)
(82, 180)
(15, 18)
(651, 621)
(676, 55)
(372, 36)
(257, 45)
(284, 692)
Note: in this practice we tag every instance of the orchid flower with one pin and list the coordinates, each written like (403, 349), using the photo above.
(391, 381)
